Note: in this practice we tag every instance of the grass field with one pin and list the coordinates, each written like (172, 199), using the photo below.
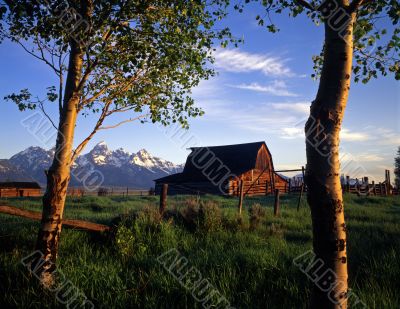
(249, 260)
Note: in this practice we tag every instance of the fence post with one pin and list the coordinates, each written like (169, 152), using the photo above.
(290, 185)
(276, 203)
(266, 187)
(347, 184)
(241, 186)
(388, 182)
(163, 198)
(300, 196)
(373, 187)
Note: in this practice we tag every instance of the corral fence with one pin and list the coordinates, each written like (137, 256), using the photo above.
(365, 187)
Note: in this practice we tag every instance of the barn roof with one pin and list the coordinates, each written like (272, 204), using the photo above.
(20, 185)
(238, 158)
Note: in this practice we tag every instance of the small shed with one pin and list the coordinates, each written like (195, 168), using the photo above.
(220, 169)
(20, 189)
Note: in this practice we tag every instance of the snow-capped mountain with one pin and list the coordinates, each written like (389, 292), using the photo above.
(146, 160)
(119, 167)
(34, 161)
(100, 155)
(9, 172)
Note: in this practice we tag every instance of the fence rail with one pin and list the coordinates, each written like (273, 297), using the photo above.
(364, 187)
(108, 191)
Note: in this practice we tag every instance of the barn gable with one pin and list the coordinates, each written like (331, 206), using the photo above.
(238, 158)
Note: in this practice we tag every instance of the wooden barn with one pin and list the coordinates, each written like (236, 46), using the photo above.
(20, 189)
(220, 170)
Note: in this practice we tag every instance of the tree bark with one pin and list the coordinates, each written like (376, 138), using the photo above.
(324, 193)
(58, 176)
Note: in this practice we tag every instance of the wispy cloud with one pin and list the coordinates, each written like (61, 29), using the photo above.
(370, 158)
(234, 60)
(386, 137)
(353, 136)
(296, 107)
(259, 117)
(292, 133)
(297, 131)
(276, 88)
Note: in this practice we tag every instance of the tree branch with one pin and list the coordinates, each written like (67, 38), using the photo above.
(122, 122)
(93, 65)
(99, 122)
(61, 84)
(47, 116)
(42, 58)
(99, 93)
(355, 4)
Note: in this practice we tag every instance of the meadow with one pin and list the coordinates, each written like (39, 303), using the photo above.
(248, 259)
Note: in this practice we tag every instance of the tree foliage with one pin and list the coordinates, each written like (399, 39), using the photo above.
(141, 56)
(376, 33)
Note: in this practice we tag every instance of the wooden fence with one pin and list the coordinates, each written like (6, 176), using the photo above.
(364, 187)
(108, 191)
(375, 189)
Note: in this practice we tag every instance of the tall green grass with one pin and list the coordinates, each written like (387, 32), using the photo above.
(248, 259)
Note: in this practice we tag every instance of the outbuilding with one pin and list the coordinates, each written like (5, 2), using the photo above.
(221, 169)
(20, 189)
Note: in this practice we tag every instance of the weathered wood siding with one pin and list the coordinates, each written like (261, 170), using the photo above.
(18, 192)
(259, 181)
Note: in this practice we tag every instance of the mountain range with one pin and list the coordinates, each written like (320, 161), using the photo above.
(118, 167)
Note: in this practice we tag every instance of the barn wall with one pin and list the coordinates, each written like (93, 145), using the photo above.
(17, 192)
(256, 182)
(32, 192)
(281, 184)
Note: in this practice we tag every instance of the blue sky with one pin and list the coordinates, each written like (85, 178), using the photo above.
(262, 93)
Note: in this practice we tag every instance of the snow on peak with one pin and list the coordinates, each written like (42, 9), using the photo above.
(143, 153)
(118, 166)
(99, 153)
(39, 158)
(145, 159)
(34, 156)
(102, 143)
(101, 146)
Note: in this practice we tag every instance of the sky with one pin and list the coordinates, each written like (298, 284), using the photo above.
(262, 92)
